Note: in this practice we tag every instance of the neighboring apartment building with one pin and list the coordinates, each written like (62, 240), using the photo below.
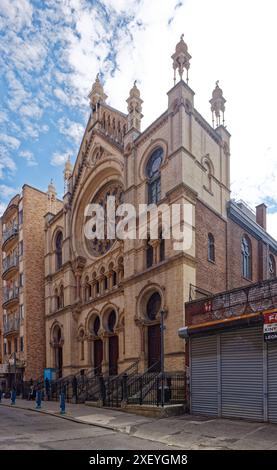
(104, 298)
(22, 293)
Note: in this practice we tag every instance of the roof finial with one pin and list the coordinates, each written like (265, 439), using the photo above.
(181, 58)
(97, 94)
(217, 105)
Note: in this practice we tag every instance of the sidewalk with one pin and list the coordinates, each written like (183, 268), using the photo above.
(186, 431)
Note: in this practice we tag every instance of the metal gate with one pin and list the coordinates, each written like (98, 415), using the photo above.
(203, 381)
(234, 374)
(242, 374)
(272, 381)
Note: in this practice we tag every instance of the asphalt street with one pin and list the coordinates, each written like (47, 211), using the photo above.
(27, 430)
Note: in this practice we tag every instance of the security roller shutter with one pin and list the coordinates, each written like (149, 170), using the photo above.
(242, 373)
(203, 379)
(272, 381)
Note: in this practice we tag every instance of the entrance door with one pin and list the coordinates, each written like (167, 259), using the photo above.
(154, 345)
(113, 355)
(98, 355)
(59, 361)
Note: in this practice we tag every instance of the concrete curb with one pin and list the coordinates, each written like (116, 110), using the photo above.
(67, 417)
(128, 429)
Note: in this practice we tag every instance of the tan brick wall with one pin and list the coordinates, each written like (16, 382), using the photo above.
(210, 276)
(34, 209)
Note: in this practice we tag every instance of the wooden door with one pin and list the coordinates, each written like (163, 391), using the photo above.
(113, 355)
(98, 355)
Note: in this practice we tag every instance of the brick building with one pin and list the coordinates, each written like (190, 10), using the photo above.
(22, 286)
(103, 299)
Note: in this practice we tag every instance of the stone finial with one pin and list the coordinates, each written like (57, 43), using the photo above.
(51, 193)
(67, 169)
(97, 94)
(134, 108)
(67, 173)
(217, 105)
(181, 59)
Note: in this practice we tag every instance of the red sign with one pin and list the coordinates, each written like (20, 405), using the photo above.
(270, 317)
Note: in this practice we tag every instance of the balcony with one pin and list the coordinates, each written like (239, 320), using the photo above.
(9, 236)
(11, 326)
(10, 265)
(10, 296)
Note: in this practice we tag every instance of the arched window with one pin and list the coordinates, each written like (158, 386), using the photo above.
(96, 326)
(154, 176)
(97, 287)
(211, 247)
(59, 253)
(246, 257)
(162, 246)
(149, 254)
(271, 267)
(106, 284)
(114, 278)
(57, 300)
(61, 297)
(87, 290)
(153, 306)
(112, 321)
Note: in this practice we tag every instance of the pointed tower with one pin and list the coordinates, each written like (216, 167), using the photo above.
(218, 106)
(134, 108)
(181, 59)
(67, 175)
(51, 193)
(97, 94)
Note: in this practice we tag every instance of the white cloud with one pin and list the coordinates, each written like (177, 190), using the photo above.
(31, 110)
(59, 158)
(11, 142)
(6, 162)
(72, 129)
(7, 192)
(29, 157)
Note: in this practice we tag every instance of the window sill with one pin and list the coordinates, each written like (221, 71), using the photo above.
(211, 261)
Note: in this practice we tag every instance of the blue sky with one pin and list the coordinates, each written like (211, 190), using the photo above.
(51, 51)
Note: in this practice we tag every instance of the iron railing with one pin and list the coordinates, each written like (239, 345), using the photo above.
(11, 324)
(9, 262)
(10, 293)
(10, 233)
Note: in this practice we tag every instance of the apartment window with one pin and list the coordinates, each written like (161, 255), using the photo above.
(21, 311)
(21, 248)
(211, 247)
(9, 347)
(15, 345)
(246, 257)
(5, 349)
(271, 267)
(21, 280)
(20, 217)
(21, 343)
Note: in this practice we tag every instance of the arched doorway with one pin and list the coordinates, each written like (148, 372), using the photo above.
(113, 344)
(58, 351)
(97, 345)
(154, 331)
